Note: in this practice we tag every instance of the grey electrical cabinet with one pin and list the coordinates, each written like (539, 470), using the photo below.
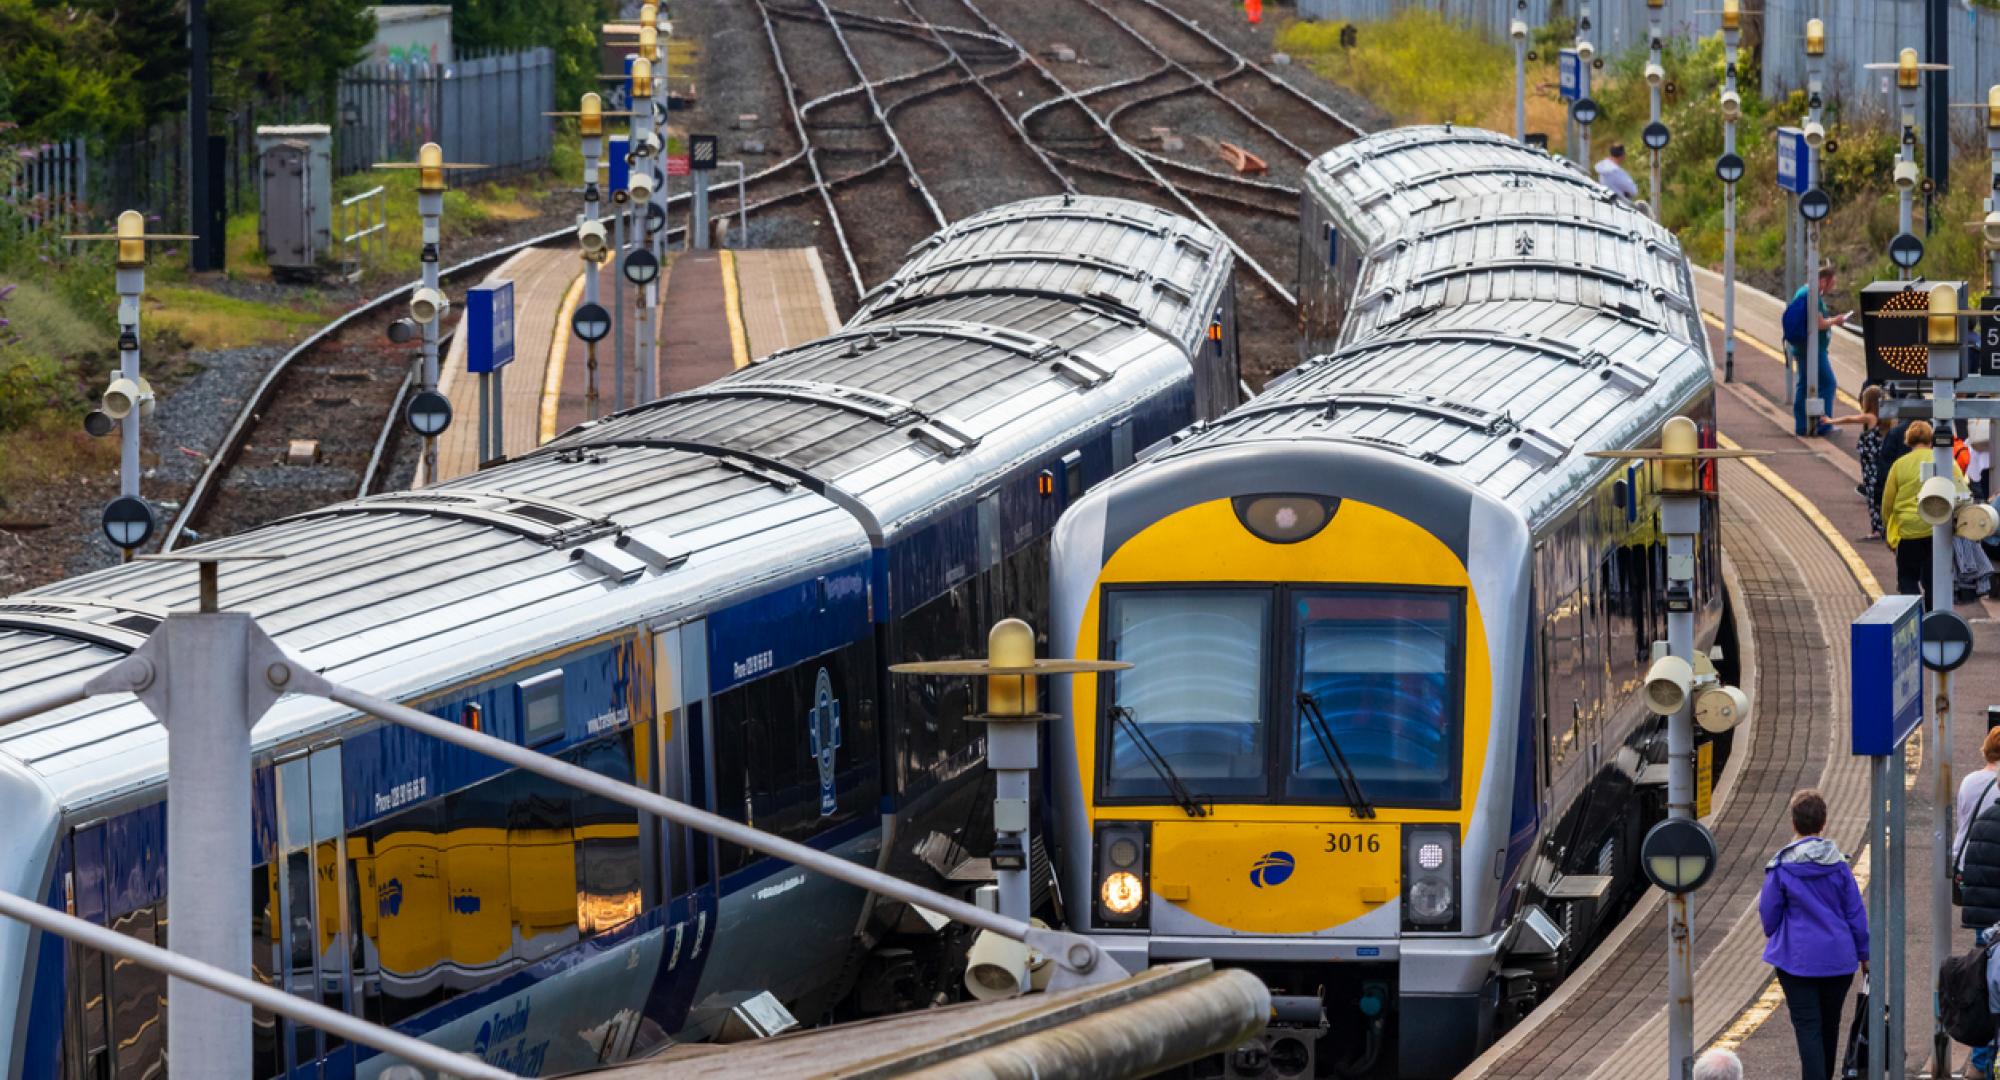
(295, 197)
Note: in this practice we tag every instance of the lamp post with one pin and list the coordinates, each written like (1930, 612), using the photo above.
(1729, 168)
(1906, 249)
(1681, 686)
(1813, 206)
(1583, 109)
(1518, 30)
(591, 238)
(128, 521)
(1013, 725)
(646, 147)
(1656, 76)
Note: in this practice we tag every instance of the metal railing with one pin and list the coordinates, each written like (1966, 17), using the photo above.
(361, 227)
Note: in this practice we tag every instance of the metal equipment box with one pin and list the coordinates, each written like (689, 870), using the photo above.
(295, 196)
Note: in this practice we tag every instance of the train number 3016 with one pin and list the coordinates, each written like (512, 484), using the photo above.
(1348, 843)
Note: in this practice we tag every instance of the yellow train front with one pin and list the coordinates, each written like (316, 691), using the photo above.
(1380, 741)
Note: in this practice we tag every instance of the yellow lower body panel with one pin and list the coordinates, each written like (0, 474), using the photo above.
(1275, 877)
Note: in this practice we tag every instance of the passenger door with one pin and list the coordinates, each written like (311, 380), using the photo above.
(313, 903)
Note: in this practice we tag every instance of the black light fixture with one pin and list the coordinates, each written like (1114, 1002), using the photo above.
(428, 414)
(1584, 110)
(1815, 205)
(641, 267)
(1679, 855)
(1729, 168)
(1656, 136)
(591, 322)
(1906, 250)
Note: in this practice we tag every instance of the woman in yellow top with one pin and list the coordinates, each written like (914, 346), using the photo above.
(1909, 534)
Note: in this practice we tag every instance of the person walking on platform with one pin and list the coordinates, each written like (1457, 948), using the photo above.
(1976, 886)
(1795, 349)
(1818, 931)
(1868, 447)
(1909, 535)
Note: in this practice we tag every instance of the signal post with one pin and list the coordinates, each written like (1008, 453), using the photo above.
(1679, 854)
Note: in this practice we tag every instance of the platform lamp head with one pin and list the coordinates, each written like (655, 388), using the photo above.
(1943, 322)
(1815, 38)
(1993, 108)
(1907, 72)
(649, 42)
(590, 116)
(1732, 14)
(430, 168)
(1679, 440)
(642, 78)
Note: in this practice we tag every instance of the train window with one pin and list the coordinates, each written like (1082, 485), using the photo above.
(541, 708)
(1380, 668)
(929, 720)
(1121, 444)
(1195, 697)
(1072, 464)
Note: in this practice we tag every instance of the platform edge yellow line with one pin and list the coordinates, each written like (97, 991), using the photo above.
(732, 308)
(1862, 575)
(558, 358)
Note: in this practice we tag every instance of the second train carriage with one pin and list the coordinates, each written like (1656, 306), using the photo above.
(1381, 742)
(701, 596)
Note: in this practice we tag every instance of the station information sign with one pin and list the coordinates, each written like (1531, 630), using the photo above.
(1794, 168)
(489, 325)
(1572, 75)
(1986, 340)
(1894, 346)
(1887, 698)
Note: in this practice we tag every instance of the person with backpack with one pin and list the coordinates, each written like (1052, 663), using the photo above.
(1908, 534)
(1795, 348)
(1818, 930)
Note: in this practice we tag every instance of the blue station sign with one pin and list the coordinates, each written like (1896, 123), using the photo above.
(1794, 167)
(489, 326)
(616, 148)
(1572, 74)
(1885, 649)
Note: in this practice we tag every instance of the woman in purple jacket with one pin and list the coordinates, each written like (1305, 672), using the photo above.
(1818, 928)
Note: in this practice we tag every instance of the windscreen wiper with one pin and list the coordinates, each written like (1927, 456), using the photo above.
(1357, 800)
(1194, 807)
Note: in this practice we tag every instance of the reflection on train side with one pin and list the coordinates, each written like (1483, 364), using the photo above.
(450, 894)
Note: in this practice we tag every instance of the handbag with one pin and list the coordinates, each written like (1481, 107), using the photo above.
(1958, 857)
(1854, 1065)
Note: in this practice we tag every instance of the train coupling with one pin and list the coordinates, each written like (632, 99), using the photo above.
(1288, 1046)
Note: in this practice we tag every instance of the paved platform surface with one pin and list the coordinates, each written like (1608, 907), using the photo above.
(785, 298)
(542, 277)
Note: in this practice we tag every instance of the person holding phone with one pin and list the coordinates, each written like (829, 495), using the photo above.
(1795, 347)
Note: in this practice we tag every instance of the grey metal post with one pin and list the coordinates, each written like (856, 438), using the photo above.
(1815, 410)
(619, 356)
(1992, 203)
(500, 411)
(698, 218)
(131, 283)
(1583, 60)
(1944, 413)
(430, 206)
(1519, 32)
(1680, 519)
(1654, 87)
(647, 339)
(1897, 914)
(1732, 37)
(1906, 179)
(593, 150)
(742, 209)
(1879, 775)
(485, 418)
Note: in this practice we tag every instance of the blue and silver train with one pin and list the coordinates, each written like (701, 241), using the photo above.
(699, 595)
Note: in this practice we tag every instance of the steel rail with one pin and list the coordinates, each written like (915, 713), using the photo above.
(1307, 99)
(875, 103)
(1152, 171)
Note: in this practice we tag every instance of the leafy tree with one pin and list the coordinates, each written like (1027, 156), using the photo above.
(63, 72)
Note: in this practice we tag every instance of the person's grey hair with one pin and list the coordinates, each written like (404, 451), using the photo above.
(1718, 1064)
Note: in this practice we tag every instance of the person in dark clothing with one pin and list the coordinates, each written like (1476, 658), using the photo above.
(1979, 874)
(1818, 931)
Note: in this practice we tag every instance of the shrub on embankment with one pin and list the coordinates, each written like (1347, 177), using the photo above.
(1422, 68)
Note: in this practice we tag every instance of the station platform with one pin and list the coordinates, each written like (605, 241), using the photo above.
(722, 309)
(1799, 569)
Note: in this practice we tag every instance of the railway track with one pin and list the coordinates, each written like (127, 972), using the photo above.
(343, 387)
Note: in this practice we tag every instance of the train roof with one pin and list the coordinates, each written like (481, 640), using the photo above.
(1497, 335)
(783, 470)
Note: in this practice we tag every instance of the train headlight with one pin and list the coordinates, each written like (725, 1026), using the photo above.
(1121, 874)
(1121, 892)
(1430, 877)
(1284, 519)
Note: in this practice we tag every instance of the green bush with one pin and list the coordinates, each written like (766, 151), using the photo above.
(1420, 67)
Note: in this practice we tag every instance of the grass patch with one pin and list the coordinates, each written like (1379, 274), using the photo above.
(209, 320)
(51, 450)
(1457, 67)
